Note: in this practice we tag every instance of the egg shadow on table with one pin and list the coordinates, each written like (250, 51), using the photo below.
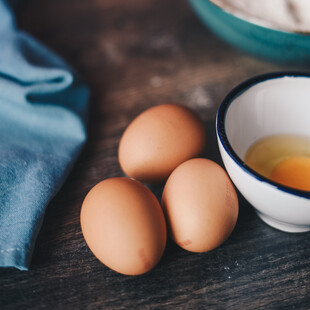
(211, 150)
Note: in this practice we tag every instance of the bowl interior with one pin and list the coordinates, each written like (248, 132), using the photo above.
(279, 105)
(288, 18)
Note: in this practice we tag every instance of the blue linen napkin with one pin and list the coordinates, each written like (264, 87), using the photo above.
(43, 105)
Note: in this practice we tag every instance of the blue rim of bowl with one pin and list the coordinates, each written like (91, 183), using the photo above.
(220, 126)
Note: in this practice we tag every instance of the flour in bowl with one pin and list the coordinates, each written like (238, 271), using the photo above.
(286, 15)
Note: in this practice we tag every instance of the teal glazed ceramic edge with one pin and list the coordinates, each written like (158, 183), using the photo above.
(257, 40)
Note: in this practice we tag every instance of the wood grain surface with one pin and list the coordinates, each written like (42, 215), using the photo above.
(136, 54)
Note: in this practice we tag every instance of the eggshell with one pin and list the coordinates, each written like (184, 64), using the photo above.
(200, 204)
(159, 140)
(124, 226)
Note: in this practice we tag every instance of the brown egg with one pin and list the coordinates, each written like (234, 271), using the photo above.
(159, 140)
(200, 204)
(124, 226)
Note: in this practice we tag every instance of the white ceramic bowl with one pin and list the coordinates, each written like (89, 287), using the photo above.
(274, 103)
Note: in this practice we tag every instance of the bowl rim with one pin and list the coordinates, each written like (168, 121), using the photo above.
(221, 131)
(256, 21)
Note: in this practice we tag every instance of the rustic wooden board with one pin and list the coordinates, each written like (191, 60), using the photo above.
(135, 54)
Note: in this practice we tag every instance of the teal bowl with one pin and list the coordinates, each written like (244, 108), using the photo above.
(258, 40)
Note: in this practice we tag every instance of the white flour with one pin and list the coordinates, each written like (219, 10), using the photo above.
(287, 15)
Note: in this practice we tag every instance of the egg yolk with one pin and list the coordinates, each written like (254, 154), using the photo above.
(293, 172)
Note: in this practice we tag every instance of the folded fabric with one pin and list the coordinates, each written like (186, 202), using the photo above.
(43, 105)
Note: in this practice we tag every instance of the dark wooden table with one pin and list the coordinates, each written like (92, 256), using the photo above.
(136, 54)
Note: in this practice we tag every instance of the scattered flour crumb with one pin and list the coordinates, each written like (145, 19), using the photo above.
(112, 52)
(199, 97)
(156, 81)
(163, 42)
